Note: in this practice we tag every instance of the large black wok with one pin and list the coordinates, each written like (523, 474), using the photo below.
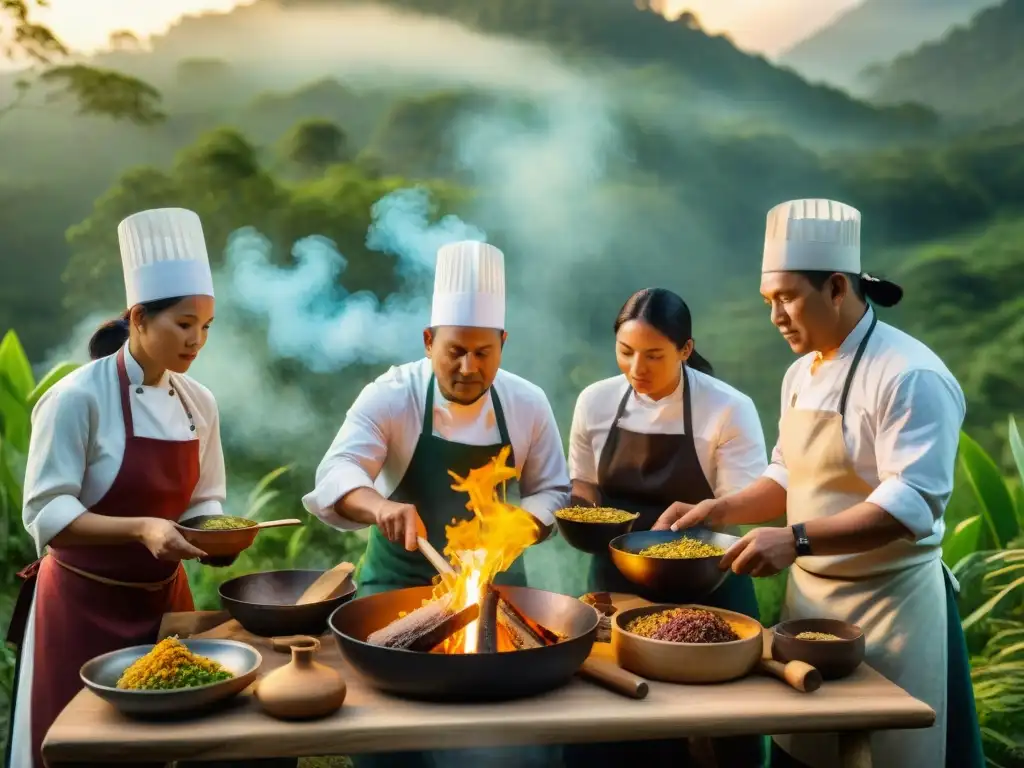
(471, 676)
(264, 603)
(666, 580)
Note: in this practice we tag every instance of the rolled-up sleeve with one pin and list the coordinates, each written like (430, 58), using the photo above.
(354, 459)
(212, 489)
(777, 470)
(915, 449)
(544, 481)
(582, 462)
(56, 464)
(741, 456)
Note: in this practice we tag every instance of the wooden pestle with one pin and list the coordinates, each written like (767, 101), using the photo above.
(797, 674)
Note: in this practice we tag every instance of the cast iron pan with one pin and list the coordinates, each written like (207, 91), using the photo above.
(473, 676)
(665, 580)
(264, 603)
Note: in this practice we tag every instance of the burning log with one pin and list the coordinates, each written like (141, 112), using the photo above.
(525, 633)
(426, 627)
(487, 624)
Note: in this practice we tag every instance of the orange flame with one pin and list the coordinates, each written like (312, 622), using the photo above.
(484, 545)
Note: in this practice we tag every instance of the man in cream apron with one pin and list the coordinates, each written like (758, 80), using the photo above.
(863, 471)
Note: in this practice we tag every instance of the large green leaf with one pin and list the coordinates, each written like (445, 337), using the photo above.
(15, 419)
(963, 540)
(1017, 448)
(15, 366)
(983, 611)
(997, 505)
(52, 376)
(265, 482)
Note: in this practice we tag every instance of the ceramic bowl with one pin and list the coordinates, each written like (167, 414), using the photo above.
(833, 658)
(592, 537)
(225, 543)
(687, 662)
(100, 675)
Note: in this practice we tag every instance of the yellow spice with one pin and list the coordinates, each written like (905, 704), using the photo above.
(682, 549)
(817, 636)
(595, 515)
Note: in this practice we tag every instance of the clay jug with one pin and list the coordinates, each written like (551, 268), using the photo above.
(303, 688)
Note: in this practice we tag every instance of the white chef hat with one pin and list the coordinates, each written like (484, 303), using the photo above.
(812, 235)
(469, 286)
(163, 255)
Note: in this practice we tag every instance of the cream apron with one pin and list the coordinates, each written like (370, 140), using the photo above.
(896, 593)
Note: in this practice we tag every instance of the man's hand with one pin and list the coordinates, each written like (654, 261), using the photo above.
(762, 552)
(681, 516)
(400, 523)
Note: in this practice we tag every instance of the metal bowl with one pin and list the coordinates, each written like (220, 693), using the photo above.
(264, 603)
(592, 537)
(670, 580)
(100, 675)
(218, 543)
(473, 676)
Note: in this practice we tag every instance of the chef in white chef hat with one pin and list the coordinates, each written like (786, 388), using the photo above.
(862, 472)
(122, 450)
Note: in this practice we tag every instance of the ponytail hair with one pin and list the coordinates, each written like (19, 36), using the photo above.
(112, 335)
(668, 314)
(865, 287)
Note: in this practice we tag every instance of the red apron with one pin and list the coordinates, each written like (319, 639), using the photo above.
(93, 600)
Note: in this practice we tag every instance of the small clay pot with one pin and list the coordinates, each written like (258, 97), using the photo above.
(303, 688)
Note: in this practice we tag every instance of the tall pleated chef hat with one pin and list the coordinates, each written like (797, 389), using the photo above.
(814, 235)
(469, 286)
(163, 254)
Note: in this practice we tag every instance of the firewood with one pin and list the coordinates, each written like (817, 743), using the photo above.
(454, 623)
(525, 633)
(487, 624)
(401, 632)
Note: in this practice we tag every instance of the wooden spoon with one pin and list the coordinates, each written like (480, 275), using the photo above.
(328, 585)
(278, 523)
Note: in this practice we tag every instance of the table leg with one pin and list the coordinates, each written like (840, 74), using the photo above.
(855, 749)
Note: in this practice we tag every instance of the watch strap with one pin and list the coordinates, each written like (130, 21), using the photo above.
(803, 544)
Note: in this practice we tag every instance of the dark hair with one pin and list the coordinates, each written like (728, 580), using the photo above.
(112, 335)
(668, 314)
(865, 287)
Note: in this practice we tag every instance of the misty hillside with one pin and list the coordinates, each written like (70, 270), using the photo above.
(975, 72)
(875, 31)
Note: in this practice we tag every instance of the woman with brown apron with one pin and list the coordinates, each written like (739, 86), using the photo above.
(863, 471)
(121, 449)
(665, 431)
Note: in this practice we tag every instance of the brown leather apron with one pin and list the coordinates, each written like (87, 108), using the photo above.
(93, 600)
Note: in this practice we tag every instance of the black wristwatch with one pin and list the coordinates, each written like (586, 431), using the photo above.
(803, 544)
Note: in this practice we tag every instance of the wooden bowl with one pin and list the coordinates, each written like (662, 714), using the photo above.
(687, 662)
(592, 537)
(220, 543)
(833, 658)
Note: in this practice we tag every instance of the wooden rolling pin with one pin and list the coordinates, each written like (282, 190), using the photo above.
(797, 674)
(614, 678)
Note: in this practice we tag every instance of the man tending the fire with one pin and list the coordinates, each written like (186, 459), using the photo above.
(863, 471)
(392, 463)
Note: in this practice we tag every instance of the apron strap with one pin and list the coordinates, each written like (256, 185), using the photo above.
(687, 413)
(126, 402)
(856, 362)
(428, 413)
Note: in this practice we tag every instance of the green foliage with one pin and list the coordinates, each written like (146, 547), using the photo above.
(312, 145)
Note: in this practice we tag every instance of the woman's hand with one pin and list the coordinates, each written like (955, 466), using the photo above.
(681, 516)
(165, 542)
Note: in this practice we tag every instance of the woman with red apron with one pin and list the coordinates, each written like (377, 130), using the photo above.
(665, 431)
(121, 449)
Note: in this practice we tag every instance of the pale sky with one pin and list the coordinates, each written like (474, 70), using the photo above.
(757, 25)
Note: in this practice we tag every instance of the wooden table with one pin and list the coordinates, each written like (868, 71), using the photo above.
(90, 731)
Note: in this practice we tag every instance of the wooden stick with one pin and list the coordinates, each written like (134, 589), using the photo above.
(438, 634)
(487, 624)
(402, 631)
(540, 633)
(441, 565)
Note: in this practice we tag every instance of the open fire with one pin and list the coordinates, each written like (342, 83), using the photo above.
(465, 615)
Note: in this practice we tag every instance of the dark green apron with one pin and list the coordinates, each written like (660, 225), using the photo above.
(646, 473)
(385, 566)
(963, 735)
(427, 485)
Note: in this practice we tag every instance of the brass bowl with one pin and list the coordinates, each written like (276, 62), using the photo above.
(100, 675)
(833, 658)
(690, 663)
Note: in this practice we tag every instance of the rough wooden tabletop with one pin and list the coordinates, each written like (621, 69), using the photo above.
(90, 730)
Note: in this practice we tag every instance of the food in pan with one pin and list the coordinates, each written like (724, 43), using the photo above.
(595, 515)
(817, 636)
(683, 625)
(682, 549)
(225, 523)
(171, 665)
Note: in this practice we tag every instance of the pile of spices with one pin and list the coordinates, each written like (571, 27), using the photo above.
(682, 549)
(171, 665)
(595, 515)
(225, 523)
(817, 636)
(684, 625)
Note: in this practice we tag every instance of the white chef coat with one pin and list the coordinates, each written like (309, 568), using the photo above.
(727, 432)
(75, 453)
(375, 444)
(902, 422)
